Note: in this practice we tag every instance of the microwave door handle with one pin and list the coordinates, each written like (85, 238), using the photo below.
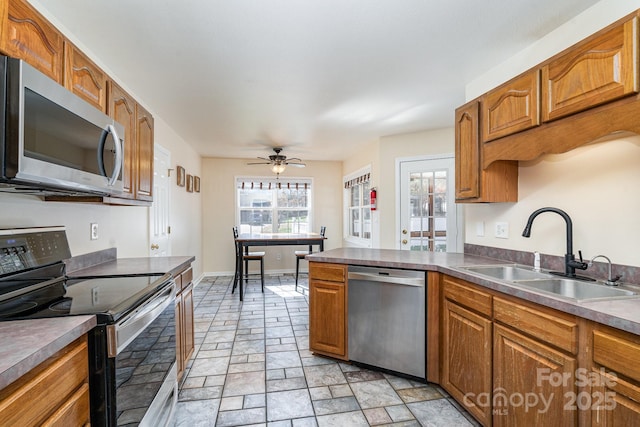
(100, 152)
(116, 142)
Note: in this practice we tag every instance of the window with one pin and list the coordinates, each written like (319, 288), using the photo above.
(358, 215)
(273, 205)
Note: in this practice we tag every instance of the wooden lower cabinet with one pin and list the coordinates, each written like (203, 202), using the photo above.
(56, 393)
(532, 382)
(615, 398)
(185, 336)
(328, 309)
(466, 359)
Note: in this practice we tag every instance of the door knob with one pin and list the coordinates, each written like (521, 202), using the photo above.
(155, 246)
(404, 242)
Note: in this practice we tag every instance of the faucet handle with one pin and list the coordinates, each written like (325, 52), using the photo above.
(580, 255)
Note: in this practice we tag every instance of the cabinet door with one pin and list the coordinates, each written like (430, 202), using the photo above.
(122, 108)
(327, 318)
(614, 401)
(84, 78)
(466, 359)
(512, 107)
(144, 132)
(180, 362)
(188, 339)
(532, 382)
(602, 69)
(467, 152)
(27, 35)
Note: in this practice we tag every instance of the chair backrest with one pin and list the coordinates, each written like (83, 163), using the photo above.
(235, 232)
(323, 229)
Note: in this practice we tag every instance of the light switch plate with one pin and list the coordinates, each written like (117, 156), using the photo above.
(94, 231)
(502, 230)
(480, 228)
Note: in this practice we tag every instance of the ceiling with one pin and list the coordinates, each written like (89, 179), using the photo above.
(318, 77)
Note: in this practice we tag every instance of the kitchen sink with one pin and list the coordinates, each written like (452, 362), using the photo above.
(507, 272)
(576, 289)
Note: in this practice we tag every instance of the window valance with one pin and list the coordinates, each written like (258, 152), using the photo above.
(258, 183)
(357, 180)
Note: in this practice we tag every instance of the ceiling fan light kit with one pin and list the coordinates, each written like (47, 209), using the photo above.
(279, 161)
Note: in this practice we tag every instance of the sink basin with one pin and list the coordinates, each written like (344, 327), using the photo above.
(507, 272)
(576, 289)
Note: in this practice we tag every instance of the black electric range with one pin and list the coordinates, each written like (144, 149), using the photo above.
(132, 349)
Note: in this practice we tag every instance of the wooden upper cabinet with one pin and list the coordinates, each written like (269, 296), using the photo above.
(84, 78)
(144, 135)
(29, 36)
(467, 151)
(496, 183)
(512, 107)
(601, 69)
(122, 108)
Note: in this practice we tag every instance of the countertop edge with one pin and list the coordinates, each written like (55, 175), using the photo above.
(616, 313)
(78, 326)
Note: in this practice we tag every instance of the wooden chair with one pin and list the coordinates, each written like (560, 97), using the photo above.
(301, 254)
(246, 257)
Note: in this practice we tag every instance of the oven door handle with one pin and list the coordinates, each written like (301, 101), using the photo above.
(125, 331)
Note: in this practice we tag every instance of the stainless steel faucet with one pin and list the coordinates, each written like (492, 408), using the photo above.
(611, 281)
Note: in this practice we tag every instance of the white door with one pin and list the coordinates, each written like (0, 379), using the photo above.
(159, 233)
(429, 217)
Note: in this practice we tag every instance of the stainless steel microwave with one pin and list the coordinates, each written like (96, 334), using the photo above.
(52, 140)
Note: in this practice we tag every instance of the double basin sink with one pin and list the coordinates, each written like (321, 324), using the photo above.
(527, 277)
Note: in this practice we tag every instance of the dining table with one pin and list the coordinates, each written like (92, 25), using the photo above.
(246, 240)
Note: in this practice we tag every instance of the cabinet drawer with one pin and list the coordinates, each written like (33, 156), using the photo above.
(602, 69)
(512, 107)
(617, 351)
(466, 295)
(22, 404)
(330, 272)
(552, 327)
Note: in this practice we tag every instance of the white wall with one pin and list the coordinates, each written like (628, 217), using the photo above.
(123, 227)
(595, 184)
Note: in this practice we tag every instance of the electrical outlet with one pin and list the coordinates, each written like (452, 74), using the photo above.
(502, 230)
(278, 256)
(94, 231)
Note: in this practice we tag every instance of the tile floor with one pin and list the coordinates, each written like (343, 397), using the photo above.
(252, 366)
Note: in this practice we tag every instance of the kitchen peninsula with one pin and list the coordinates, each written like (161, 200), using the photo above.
(486, 334)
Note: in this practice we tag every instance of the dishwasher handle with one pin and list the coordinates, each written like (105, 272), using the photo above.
(386, 277)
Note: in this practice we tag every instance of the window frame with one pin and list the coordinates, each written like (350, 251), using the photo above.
(274, 208)
(360, 241)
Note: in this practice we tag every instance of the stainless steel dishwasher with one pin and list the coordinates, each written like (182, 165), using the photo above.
(386, 319)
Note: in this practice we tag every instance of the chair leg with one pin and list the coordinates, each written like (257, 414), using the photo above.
(297, 271)
(246, 271)
(262, 273)
(235, 276)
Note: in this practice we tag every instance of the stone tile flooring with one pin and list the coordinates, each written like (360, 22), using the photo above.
(252, 366)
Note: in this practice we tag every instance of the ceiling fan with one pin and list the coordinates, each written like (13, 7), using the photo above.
(279, 161)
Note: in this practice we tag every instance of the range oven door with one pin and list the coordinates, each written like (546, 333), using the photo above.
(138, 384)
(53, 138)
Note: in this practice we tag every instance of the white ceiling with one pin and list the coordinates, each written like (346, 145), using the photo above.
(318, 77)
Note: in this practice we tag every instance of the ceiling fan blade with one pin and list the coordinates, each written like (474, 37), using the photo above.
(263, 158)
(298, 165)
(259, 163)
(295, 159)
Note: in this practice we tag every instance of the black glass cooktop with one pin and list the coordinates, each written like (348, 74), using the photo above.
(108, 297)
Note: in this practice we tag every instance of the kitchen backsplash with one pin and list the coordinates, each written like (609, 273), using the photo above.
(599, 270)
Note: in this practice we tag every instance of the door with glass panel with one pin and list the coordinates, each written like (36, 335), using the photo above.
(429, 219)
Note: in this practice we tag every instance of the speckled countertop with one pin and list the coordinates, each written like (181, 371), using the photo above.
(27, 343)
(619, 313)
